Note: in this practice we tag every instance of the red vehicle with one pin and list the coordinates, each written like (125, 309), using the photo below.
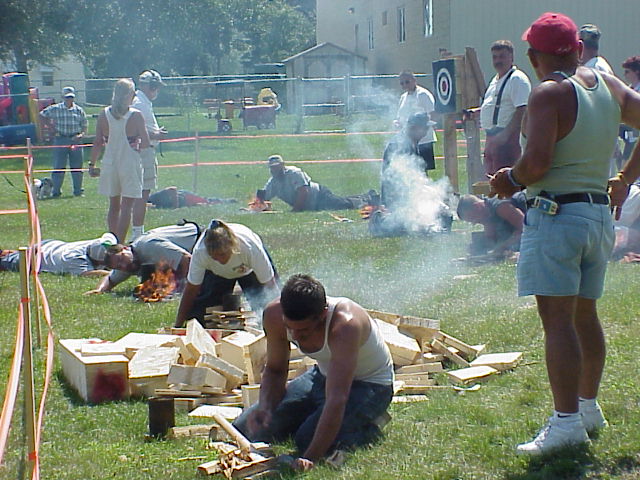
(260, 116)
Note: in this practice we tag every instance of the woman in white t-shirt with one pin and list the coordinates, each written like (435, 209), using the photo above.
(224, 255)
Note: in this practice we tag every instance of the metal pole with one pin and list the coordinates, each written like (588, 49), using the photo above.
(27, 366)
(196, 159)
(29, 175)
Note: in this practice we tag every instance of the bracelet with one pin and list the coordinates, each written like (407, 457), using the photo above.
(621, 178)
(512, 179)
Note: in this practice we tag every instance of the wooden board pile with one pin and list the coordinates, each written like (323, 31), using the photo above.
(420, 349)
(230, 320)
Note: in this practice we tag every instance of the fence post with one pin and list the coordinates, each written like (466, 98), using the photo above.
(347, 95)
(451, 150)
(300, 104)
(196, 159)
(27, 371)
(28, 172)
(475, 170)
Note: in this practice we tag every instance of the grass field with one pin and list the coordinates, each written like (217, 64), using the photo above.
(451, 436)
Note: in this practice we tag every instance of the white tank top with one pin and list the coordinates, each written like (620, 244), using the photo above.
(374, 360)
(118, 149)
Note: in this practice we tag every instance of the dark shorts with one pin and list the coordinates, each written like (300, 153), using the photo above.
(298, 413)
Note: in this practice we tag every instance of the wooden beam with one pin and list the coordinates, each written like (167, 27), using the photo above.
(451, 150)
(420, 368)
(440, 347)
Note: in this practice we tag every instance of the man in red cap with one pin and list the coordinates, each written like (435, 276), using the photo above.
(570, 128)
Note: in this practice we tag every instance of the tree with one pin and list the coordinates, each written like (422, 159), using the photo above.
(34, 30)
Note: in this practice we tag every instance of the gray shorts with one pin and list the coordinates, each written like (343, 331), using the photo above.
(565, 254)
(149, 168)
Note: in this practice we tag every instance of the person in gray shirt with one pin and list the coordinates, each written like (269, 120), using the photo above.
(171, 245)
(296, 188)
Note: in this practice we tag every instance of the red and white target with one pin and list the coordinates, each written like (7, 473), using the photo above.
(444, 83)
(445, 86)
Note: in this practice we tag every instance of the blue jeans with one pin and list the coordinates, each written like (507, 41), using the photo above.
(60, 156)
(298, 413)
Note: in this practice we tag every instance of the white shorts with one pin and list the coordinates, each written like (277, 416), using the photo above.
(149, 168)
(121, 178)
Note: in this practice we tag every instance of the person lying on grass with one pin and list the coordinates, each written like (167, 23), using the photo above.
(335, 404)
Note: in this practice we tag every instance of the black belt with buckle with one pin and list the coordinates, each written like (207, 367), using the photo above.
(599, 198)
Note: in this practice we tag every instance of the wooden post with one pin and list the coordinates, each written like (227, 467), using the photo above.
(451, 150)
(475, 169)
(28, 171)
(300, 104)
(27, 370)
(196, 159)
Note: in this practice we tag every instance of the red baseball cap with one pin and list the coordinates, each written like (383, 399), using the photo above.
(552, 33)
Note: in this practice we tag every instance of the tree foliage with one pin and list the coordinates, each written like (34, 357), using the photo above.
(181, 37)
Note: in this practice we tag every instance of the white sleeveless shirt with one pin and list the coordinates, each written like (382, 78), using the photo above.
(374, 360)
(118, 149)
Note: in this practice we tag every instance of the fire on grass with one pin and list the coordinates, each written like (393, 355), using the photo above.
(159, 284)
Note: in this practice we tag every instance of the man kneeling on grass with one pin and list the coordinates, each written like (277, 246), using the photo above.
(336, 404)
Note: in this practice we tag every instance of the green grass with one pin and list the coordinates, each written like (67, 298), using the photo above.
(451, 436)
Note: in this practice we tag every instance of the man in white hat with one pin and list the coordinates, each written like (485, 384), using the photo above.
(149, 84)
(70, 124)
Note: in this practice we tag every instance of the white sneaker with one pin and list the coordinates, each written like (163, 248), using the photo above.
(593, 418)
(554, 435)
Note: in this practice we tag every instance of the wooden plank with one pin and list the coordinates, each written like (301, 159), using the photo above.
(421, 389)
(95, 378)
(430, 357)
(451, 150)
(409, 398)
(471, 374)
(197, 376)
(152, 362)
(250, 395)
(246, 352)
(106, 348)
(134, 341)
(420, 368)
(439, 347)
(404, 349)
(415, 379)
(188, 431)
(146, 386)
(198, 341)
(450, 341)
(499, 361)
(253, 468)
(208, 411)
(233, 374)
(210, 468)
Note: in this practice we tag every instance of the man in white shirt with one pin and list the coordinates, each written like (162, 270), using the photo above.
(505, 102)
(149, 84)
(417, 99)
(590, 35)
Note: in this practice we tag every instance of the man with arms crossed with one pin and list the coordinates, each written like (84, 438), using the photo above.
(335, 404)
(570, 127)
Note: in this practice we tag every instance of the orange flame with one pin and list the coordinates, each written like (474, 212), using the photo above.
(368, 210)
(257, 205)
(159, 285)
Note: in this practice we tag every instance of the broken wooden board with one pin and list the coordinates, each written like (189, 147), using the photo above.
(95, 378)
(132, 342)
(208, 411)
(499, 361)
(415, 379)
(404, 349)
(450, 341)
(430, 357)
(440, 347)
(245, 351)
(424, 325)
(102, 348)
(233, 374)
(188, 431)
(196, 376)
(198, 341)
(152, 362)
(471, 374)
(421, 389)
(420, 368)
(409, 398)
(147, 386)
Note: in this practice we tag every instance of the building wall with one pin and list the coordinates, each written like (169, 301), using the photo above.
(474, 23)
(337, 21)
(461, 23)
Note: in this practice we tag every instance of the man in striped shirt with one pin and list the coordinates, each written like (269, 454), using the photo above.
(70, 125)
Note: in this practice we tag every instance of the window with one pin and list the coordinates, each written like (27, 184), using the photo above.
(370, 31)
(384, 18)
(428, 18)
(47, 76)
(402, 32)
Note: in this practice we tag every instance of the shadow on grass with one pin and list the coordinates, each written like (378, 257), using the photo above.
(568, 464)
